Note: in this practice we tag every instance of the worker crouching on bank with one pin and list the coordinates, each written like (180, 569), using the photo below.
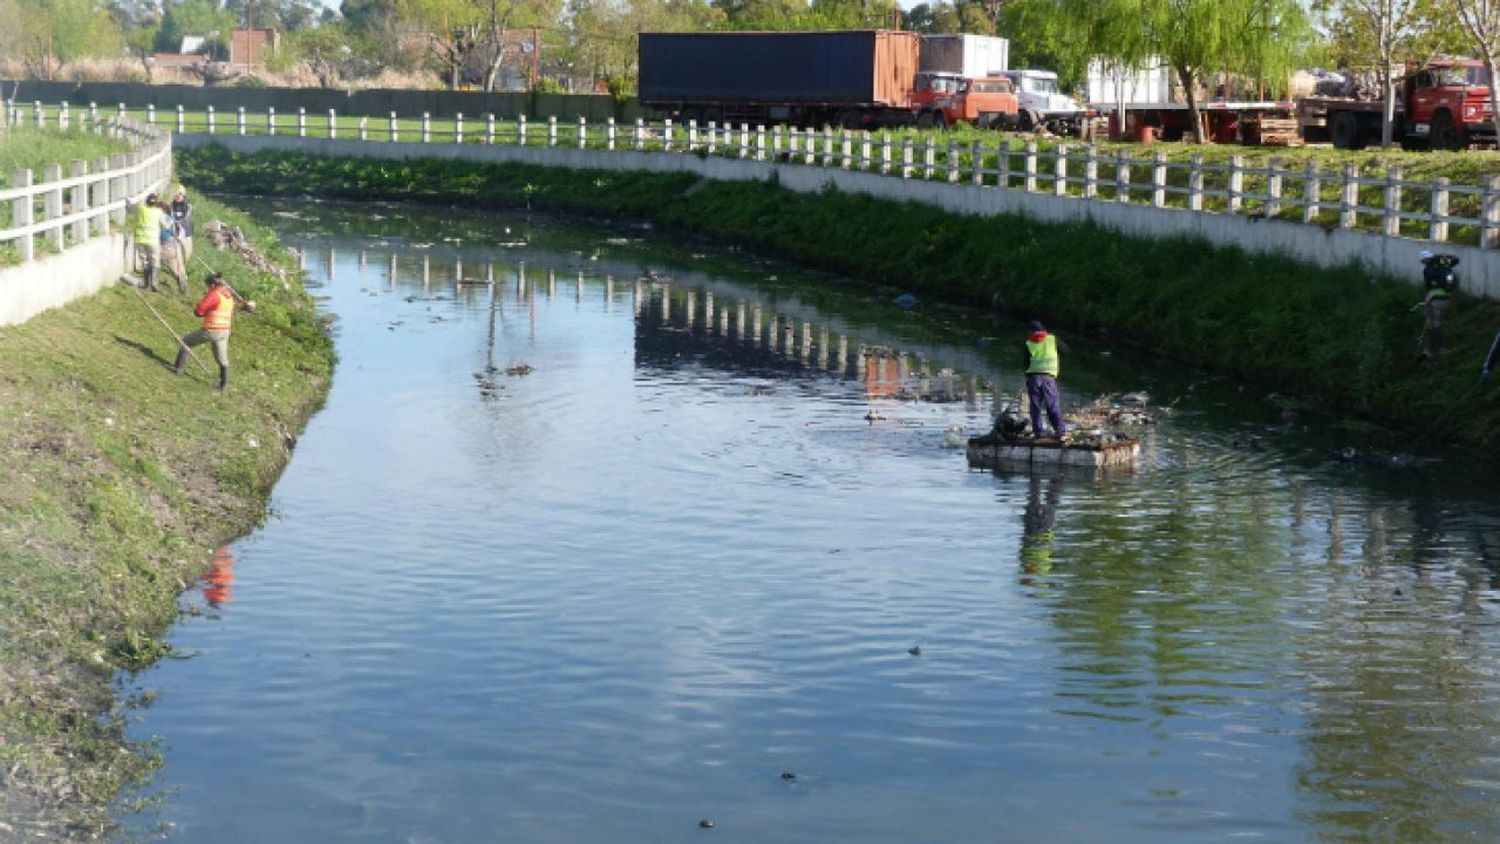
(1042, 351)
(217, 310)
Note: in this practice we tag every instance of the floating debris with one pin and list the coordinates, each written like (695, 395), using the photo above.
(906, 300)
(872, 417)
(706, 823)
(519, 369)
(788, 776)
(915, 650)
(954, 437)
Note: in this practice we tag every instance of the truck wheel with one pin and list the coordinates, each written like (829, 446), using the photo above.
(1445, 134)
(1344, 129)
(924, 120)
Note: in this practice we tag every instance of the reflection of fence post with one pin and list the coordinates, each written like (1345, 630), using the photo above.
(1393, 201)
(426, 127)
(271, 119)
(364, 128)
(551, 130)
(521, 130)
(181, 120)
(394, 127)
(1349, 198)
(301, 122)
(1312, 189)
(239, 121)
(489, 128)
(458, 127)
(609, 134)
(1438, 230)
(212, 121)
(1158, 179)
(333, 123)
(1490, 222)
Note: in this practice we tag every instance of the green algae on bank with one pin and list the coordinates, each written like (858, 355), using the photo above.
(1343, 338)
(120, 478)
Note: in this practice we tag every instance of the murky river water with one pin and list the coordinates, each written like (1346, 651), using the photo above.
(676, 573)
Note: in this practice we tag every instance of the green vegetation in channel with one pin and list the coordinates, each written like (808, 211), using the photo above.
(120, 479)
(1342, 337)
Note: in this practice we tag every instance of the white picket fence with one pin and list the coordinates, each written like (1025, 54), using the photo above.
(67, 209)
(1433, 210)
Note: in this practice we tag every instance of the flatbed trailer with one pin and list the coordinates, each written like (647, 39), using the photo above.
(1247, 122)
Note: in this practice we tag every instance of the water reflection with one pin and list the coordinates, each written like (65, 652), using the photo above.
(218, 581)
(603, 600)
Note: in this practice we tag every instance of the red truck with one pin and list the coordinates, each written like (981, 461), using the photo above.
(943, 99)
(1443, 105)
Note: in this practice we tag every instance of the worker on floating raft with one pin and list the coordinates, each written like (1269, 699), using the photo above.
(1041, 380)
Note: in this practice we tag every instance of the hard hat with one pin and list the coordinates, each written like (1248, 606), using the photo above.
(1425, 255)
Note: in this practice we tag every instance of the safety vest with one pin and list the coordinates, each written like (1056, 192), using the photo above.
(221, 315)
(148, 224)
(1043, 356)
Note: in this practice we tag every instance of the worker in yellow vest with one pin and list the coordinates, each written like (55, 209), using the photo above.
(217, 310)
(150, 219)
(1042, 351)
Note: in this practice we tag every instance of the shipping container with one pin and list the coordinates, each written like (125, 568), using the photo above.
(1109, 84)
(971, 56)
(793, 76)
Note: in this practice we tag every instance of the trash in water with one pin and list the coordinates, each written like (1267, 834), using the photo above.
(519, 369)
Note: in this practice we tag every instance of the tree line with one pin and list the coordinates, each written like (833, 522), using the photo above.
(493, 44)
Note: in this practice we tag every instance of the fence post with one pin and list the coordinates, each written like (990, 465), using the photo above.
(333, 123)
(666, 135)
(271, 119)
(20, 213)
(52, 204)
(1122, 177)
(521, 130)
(1349, 197)
(1158, 179)
(776, 142)
(1438, 230)
(692, 132)
(301, 122)
(906, 152)
(212, 120)
(809, 148)
(181, 120)
(239, 121)
(1273, 187)
(609, 133)
(744, 139)
(79, 198)
(99, 196)
(1195, 182)
(760, 142)
(1091, 172)
(846, 150)
(1060, 170)
(1002, 163)
(640, 133)
(364, 128)
(1236, 183)
(458, 127)
(1490, 223)
(1312, 189)
(976, 162)
(394, 127)
(1393, 201)
(489, 128)
(119, 186)
(712, 147)
(952, 163)
(929, 157)
(426, 127)
(551, 130)
(885, 153)
(1030, 166)
(827, 147)
(150, 114)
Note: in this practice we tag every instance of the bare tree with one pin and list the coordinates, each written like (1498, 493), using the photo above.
(1391, 22)
(1481, 20)
(499, 23)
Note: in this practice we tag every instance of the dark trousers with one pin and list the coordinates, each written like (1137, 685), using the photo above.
(1042, 391)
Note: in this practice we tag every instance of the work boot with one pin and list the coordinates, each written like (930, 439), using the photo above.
(223, 378)
(182, 354)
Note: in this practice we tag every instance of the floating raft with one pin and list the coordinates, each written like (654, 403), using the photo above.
(996, 453)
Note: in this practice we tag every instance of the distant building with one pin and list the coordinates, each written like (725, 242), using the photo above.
(193, 44)
(251, 47)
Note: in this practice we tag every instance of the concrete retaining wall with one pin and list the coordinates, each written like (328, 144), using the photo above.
(1312, 244)
(370, 102)
(48, 282)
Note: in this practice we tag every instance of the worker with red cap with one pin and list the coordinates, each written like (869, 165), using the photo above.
(1041, 380)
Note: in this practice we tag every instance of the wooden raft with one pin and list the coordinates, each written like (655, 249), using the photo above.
(995, 453)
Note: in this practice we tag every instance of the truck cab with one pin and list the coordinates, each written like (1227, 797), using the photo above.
(1043, 105)
(1448, 104)
(943, 99)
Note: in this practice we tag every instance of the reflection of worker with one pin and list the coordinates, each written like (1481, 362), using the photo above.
(1439, 282)
(1490, 359)
(218, 582)
(217, 310)
(1041, 379)
(1036, 525)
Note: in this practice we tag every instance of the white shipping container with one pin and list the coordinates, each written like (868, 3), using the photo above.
(966, 55)
(1149, 83)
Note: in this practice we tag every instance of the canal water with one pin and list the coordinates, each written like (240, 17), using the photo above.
(603, 536)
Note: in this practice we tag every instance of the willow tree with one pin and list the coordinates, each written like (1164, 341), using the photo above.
(1481, 20)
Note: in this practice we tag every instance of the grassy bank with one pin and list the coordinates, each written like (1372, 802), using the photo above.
(1340, 337)
(120, 479)
(23, 148)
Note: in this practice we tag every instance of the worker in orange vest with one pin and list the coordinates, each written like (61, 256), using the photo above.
(217, 310)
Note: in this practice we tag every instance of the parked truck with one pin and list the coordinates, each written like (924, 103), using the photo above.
(1042, 104)
(947, 99)
(1444, 104)
(853, 79)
